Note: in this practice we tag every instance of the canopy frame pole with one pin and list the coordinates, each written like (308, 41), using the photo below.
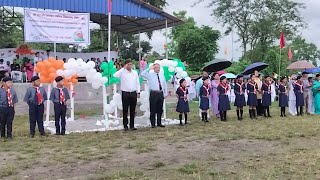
(164, 101)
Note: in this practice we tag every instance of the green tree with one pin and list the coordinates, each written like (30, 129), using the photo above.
(238, 67)
(193, 44)
(258, 22)
(10, 33)
(302, 50)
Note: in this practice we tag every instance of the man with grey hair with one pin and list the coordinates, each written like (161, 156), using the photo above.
(158, 92)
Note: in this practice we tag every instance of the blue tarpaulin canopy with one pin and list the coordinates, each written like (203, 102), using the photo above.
(128, 16)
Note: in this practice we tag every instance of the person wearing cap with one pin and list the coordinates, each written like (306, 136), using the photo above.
(224, 103)
(204, 95)
(298, 91)
(199, 84)
(130, 88)
(35, 98)
(283, 96)
(8, 99)
(183, 103)
(158, 92)
(316, 93)
(59, 96)
(266, 96)
(252, 90)
(240, 101)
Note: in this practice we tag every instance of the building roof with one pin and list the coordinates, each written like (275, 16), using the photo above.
(128, 16)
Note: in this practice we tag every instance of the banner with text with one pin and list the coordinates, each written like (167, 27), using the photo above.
(56, 27)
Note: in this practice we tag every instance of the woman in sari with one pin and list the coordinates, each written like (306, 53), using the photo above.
(28, 68)
(316, 94)
(214, 94)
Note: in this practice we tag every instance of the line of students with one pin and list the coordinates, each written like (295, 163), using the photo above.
(240, 88)
(35, 98)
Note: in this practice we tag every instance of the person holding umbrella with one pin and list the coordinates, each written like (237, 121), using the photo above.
(266, 96)
(252, 96)
(298, 91)
(240, 101)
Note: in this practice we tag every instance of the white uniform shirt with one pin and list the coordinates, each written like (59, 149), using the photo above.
(129, 80)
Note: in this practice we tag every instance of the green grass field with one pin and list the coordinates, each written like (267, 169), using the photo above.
(277, 148)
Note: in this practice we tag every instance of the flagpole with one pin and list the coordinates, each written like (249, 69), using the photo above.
(280, 63)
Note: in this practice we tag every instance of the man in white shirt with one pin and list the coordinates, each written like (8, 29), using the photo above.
(130, 87)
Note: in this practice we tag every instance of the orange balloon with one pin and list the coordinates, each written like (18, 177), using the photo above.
(51, 59)
(37, 69)
(52, 75)
(40, 64)
(52, 70)
(74, 76)
(74, 81)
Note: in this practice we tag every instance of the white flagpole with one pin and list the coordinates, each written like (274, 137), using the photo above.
(167, 57)
(48, 104)
(72, 101)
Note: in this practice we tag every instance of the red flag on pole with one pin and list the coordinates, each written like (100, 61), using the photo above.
(109, 6)
(282, 40)
(290, 54)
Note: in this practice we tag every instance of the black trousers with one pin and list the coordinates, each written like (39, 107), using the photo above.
(129, 101)
(36, 117)
(156, 107)
(60, 111)
(260, 108)
(6, 119)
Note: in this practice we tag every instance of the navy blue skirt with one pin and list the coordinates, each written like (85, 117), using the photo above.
(182, 106)
(299, 99)
(224, 103)
(252, 99)
(283, 100)
(204, 103)
(266, 99)
(240, 100)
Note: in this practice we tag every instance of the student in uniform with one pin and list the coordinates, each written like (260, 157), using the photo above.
(252, 96)
(204, 95)
(283, 96)
(35, 97)
(224, 103)
(8, 98)
(183, 104)
(266, 96)
(59, 97)
(240, 101)
(298, 91)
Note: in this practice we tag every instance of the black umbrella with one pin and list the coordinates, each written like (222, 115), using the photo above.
(258, 66)
(217, 65)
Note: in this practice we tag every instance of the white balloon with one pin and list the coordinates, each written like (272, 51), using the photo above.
(67, 65)
(79, 60)
(179, 69)
(60, 72)
(113, 103)
(92, 71)
(116, 97)
(188, 79)
(98, 76)
(120, 107)
(71, 60)
(109, 109)
(91, 64)
(171, 69)
(143, 108)
(104, 80)
(178, 75)
(184, 74)
(175, 63)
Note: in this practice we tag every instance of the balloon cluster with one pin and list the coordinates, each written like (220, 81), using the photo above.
(170, 67)
(78, 68)
(144, 99)
(48, 69)
(116, 102)
(108, 70)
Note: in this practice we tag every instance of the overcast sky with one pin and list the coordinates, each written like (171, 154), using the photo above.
(202, 16)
